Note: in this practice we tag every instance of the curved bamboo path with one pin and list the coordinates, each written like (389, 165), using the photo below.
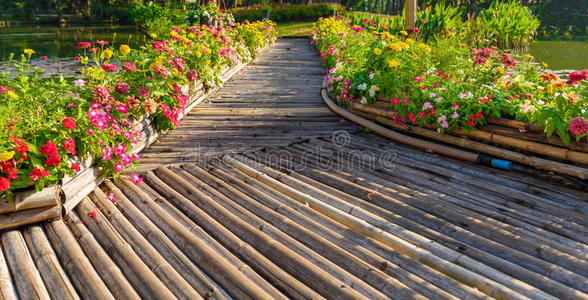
(302, 206)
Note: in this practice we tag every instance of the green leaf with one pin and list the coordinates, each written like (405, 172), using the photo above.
(549, 127)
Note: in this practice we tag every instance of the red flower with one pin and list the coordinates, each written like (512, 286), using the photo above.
(191, 75)
(69, 123)
(53, 160)
(75, 167)
(432, 112)
(4, 184)
(479, 115)
(70, 145)
(109, 67)
(415, 30)
(49, 149)
(92, 214)
(577, 76)
(38, 173)
(43, 57)
(84, 45)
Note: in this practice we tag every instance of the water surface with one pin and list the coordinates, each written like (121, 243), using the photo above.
(55, 41)
(561, 55)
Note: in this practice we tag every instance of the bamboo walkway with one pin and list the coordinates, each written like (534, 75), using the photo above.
(293, 210)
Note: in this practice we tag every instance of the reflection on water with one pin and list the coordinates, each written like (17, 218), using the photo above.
(561, 55)
(55, 41)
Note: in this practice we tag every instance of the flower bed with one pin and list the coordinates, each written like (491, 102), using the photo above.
(286, 12)
(51, 128)
(446, 84)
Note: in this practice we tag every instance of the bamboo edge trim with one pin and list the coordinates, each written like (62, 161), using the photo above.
(54, 202)
(529, 160)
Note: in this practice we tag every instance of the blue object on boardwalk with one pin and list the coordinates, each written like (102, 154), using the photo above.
(501, 164)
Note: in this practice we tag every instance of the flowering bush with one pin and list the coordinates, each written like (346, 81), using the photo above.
(447, 84)
(47, 126)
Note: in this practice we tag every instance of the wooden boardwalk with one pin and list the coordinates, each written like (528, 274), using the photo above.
(302, 206)
(273, 101)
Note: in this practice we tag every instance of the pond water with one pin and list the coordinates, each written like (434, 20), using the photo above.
(55, 41)
(561, 55)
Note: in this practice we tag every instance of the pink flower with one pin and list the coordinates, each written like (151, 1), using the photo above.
(136, 178)
(455, 115)
(129, 67)
(395, 101)
(418, 79)
(577, 76)
(90, 132)
(415, 30)
(427, 105)
(121, 108)
(103, 43)
(77, 58)
(122, 88)
(119, 167)
(578, 126)
(43, 57)
(405, 100)
(107, 153)
(191, 75)
(111, 197)
(84, 45)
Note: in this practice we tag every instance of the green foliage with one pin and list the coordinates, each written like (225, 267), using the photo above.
(209, 14)
(286, 12)
(153, 18)
(504, 25)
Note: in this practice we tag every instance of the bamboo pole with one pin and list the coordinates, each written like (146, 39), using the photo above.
(120, 251)
(407, 216)
(307, 244)
(440, 257)
(266, 277)
(19, 218)
(143, 249)
(87, 282)
(27, 279)
(239, 189)
(164, 246)
(450, 197)
(101, 261)
(539, 148)
(222, 271)
(315, 277)
(7, 288)
(56, 280)
(49, 196)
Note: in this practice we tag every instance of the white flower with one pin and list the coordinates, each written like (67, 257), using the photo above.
(438, 99)
(540, 102)
(363, 100)
(432, 95)
(455, 115)
(79, 82)
(465, 95)
(371, 76)
(372, 92)
(362, 87)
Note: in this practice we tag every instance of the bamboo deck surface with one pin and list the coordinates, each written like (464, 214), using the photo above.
(320, 211)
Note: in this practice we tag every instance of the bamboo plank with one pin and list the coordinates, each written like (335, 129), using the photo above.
(151, 286)
(164, 246)
(7, 288)
(279, 254)
(30, 216)
(143, 249)
(82, 274)
(233, 281)
(105, 267)
(27, 279)
(55, 279)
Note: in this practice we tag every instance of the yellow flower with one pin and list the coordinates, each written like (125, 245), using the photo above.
(395, 47)
(530, 57)
(377, 51)
(403, 32)
(6, 156)
(544, 65)
(89, 70)
(107, 53)
(500, 70)
(403, 45)
(159, 61)
(191, 35)
(153, 35)
(376, 88)
(198, 54)
(409, 41)
(425, 48)
(393, 63)
(12, 95)
(124, 49)
(173, 32)
(29, 52)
